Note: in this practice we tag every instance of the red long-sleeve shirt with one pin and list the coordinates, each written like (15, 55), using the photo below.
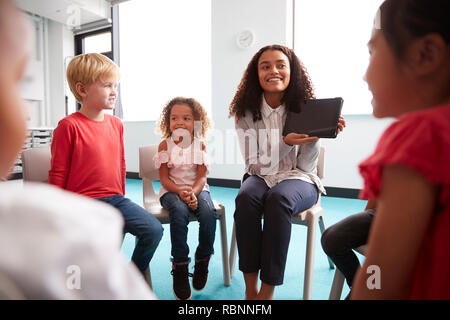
(88, 156)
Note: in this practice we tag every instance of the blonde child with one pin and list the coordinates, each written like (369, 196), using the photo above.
(183, 165)
(88, 152)
(408, 174)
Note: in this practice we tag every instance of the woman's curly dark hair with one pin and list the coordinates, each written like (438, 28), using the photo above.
(249, 93)
(163, 124)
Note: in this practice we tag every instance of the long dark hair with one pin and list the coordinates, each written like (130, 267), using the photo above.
(402, 21)
(248, 96)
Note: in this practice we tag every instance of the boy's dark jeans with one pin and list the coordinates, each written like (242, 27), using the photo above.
(140, 223)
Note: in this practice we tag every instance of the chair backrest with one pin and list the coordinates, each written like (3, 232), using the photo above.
(321, 163)
(147, 167)
(148, 172)
(36, 164)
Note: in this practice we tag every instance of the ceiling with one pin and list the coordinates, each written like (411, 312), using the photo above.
(70, 12)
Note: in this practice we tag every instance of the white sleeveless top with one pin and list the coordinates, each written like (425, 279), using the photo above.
(182, 163)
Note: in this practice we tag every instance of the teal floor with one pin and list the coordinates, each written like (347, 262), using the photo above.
(335, 209)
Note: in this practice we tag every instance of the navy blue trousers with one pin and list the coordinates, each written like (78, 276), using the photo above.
(264, 246)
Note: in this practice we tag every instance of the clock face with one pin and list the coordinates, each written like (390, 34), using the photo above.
(245, 39)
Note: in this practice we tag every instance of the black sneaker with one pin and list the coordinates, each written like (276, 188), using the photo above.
(200, 274)
(181, 286)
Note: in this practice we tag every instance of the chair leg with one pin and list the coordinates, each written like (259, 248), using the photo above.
(322, 229)
(309, 265)
(338, 284)
(233, 251)
(225, 261)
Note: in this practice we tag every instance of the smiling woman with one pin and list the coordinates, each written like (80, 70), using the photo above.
(249, 93)
(274, 75)
(274, 82)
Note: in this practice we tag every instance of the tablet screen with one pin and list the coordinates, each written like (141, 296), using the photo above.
(318, 118)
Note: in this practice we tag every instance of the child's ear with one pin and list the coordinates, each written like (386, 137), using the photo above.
(81, 89)
(427, 54)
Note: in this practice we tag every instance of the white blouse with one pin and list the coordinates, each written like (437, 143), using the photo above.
(274, 119)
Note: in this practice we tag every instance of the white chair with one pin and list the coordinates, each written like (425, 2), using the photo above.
(149, 173)
(338, 280)
(309, 218)
(36, 164)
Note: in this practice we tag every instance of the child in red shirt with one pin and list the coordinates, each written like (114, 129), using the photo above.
(88, 152)
(409, 172)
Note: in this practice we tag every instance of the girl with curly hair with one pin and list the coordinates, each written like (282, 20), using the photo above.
(183, 165)
(280, 172)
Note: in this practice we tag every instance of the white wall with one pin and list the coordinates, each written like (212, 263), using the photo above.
(354, 144)
(137, 134)
(61, 45)
(267, 19)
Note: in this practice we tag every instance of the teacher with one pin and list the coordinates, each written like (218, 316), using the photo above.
(280, 172)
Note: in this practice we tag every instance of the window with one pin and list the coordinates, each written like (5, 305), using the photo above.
(165, 51)
(330, 37)
(100, 42)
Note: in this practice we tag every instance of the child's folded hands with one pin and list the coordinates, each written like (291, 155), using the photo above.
(187, 195)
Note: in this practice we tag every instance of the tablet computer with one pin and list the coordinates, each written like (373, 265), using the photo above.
(318, 118)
